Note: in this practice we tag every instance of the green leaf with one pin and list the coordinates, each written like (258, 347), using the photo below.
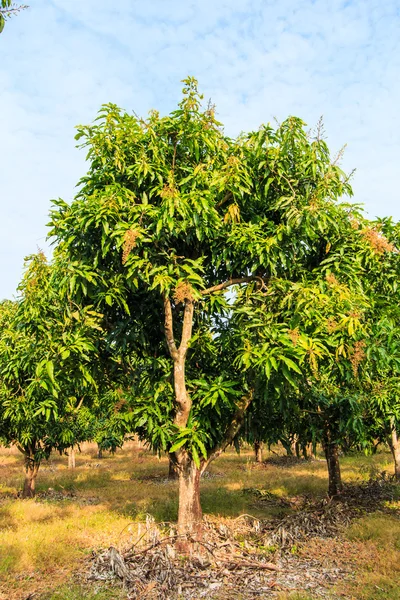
(289, 362)
(178, 445)
(195, 456)
(50, 370)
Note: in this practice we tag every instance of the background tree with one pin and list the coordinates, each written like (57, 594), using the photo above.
(46, 373)
(322, 319)
(383, 353)
(330, 313)
(171, 215)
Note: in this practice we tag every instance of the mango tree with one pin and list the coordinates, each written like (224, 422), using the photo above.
(172, 218)
(384, 351)
(331, 313)
(323, 321)
(46, 354)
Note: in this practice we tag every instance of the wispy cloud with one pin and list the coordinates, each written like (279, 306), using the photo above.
(256, 59)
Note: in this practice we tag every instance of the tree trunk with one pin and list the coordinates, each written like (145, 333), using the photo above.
(287, 446)
(71, 458)
(297, 448)
(394, 443)
(99, 451)
(172, 471)
(189, 512)
(335, 487)
(258, 452)
(31, 470)
(314, 449)
(310, 450)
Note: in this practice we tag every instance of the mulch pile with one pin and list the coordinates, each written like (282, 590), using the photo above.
(243, 558)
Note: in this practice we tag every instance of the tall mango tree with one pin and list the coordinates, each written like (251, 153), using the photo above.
(384, 352)
(47, 349)
(172, 216)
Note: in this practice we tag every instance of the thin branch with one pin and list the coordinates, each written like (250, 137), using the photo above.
(174, 156)
(19, 447)
(9, 12)
(289, 184)
(225, 198)
(79, 404)
(232, 430)
(169, 328)
(230, 282)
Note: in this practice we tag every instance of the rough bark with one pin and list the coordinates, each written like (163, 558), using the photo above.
(335, 486)
(394, 443)
(31, 471)
(71, 458)
(189, 512)
(258, 452)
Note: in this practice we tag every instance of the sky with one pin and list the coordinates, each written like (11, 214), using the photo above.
(257, 60)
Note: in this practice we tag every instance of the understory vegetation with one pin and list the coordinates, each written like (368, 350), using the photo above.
(47, 543)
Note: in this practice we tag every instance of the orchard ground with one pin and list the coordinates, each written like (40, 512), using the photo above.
(46, 543)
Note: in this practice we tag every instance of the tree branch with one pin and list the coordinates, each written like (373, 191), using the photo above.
(174, 156)
(232, 430)
(169, 328)
(8, 12)
(79, 404)
(187, 327)
(225, 198)
(230, 282)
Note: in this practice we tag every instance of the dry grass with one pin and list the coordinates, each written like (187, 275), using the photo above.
(44, 541)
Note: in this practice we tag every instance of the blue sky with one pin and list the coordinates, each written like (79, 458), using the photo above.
(256, 59)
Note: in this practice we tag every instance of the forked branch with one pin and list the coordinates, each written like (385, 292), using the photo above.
(233, 428)
(234, 281)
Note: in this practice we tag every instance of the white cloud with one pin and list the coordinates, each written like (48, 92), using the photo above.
(256, 59)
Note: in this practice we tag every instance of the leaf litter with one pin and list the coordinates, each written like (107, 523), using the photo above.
(244, 558)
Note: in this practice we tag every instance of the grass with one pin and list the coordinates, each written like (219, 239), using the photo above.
(44, 542)
(81, 592)
(379, 577)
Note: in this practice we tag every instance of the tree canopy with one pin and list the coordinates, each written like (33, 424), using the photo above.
(221, 267)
